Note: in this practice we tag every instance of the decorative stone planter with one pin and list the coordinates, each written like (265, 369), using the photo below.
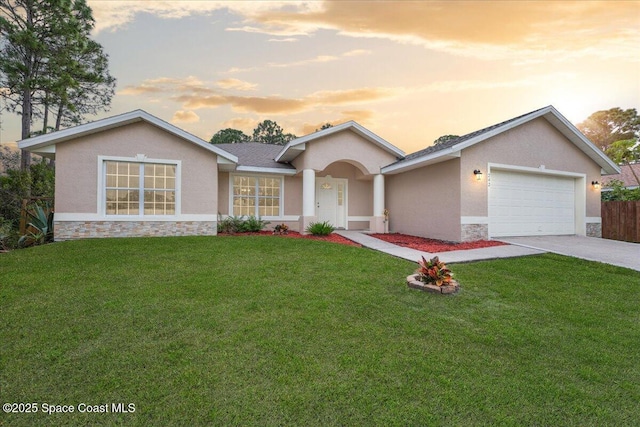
(414, 282)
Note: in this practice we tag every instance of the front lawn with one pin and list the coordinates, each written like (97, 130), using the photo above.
(258, 330)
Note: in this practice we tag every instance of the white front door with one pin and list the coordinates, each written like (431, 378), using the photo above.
(331, 201)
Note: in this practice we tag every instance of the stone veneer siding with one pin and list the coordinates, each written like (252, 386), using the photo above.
(594, 229)
(72, 230)
(472, 232)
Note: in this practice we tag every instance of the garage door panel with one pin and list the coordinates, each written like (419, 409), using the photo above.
(522, 204)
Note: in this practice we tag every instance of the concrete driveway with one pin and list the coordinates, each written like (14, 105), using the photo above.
(612, 252)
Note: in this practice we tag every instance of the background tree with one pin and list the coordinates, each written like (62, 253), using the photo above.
(444, 138)
(49, 63)
(26, 30)
(325, 126)
(269, 132)
(626, 152)
(229, 136)
(608, 126)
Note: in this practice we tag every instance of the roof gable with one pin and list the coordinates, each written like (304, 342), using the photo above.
(45, 144)
(453, 147)
(298, 145)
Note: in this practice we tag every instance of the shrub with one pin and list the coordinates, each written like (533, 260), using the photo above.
(16, 185)
(320, 228)
(434, 272)
(6, 234)
(231, 224)
(254, 224)
(619, 192)
(238, 224)
(281, 229)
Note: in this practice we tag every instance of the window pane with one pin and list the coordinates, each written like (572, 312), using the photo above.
(112, 168)
(122, 196)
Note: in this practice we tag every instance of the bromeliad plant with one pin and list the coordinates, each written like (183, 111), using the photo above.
(434, 272)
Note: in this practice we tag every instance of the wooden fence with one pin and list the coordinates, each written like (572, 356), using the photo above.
(621, 221)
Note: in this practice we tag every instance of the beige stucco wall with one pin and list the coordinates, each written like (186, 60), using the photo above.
(426, 201)
(531, 145)
(293, 195)
(223, 193)
(343, 146)
(77, 167)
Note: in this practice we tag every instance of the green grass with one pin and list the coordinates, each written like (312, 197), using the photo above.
(270, 331)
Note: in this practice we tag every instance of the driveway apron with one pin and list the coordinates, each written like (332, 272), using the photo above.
(622, 254)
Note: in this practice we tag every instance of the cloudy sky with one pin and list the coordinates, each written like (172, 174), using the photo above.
(409, 71)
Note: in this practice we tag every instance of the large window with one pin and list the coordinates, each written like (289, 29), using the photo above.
(258, 196)
(127, 181)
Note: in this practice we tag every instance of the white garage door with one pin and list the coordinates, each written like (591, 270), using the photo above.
(522, 204)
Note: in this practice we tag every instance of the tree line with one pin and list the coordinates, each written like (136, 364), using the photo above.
(266, 132)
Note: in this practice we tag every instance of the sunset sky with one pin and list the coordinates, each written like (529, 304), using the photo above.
(408, 71)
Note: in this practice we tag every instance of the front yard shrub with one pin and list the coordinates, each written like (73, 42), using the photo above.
(238, 224)
(320, 228)
(434, 272)
(254, 224)
(281, 229)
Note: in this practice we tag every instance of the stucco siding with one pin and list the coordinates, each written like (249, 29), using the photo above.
(536, 144)
(292, 195)
(223, 193)
(77, 167)
(343, 146)
(426, 201)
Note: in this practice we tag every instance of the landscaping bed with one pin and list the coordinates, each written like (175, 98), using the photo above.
(333, 238)
(433, 245)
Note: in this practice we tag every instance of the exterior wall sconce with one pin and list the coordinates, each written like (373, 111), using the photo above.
(478, 174)
(595, 184)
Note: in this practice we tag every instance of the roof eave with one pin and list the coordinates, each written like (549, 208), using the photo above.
(437, 157)
(295, 147)
(42, 142)
(259, 169)
(550, 114)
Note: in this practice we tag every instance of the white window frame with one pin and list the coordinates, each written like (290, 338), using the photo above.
(281, 217)
(140, 159)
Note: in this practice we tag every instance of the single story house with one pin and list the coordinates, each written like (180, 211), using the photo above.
(136, 175)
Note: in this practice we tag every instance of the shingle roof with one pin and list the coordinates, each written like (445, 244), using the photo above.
(455, 141)
(256, 154)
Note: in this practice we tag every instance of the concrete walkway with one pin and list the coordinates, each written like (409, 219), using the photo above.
(452, 256)
(622, 254)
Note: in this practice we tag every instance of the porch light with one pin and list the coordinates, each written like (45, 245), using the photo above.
(478, 174)
(595, 184)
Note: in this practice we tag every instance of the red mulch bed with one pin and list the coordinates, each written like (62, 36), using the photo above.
(333, 238)
(432, 245)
